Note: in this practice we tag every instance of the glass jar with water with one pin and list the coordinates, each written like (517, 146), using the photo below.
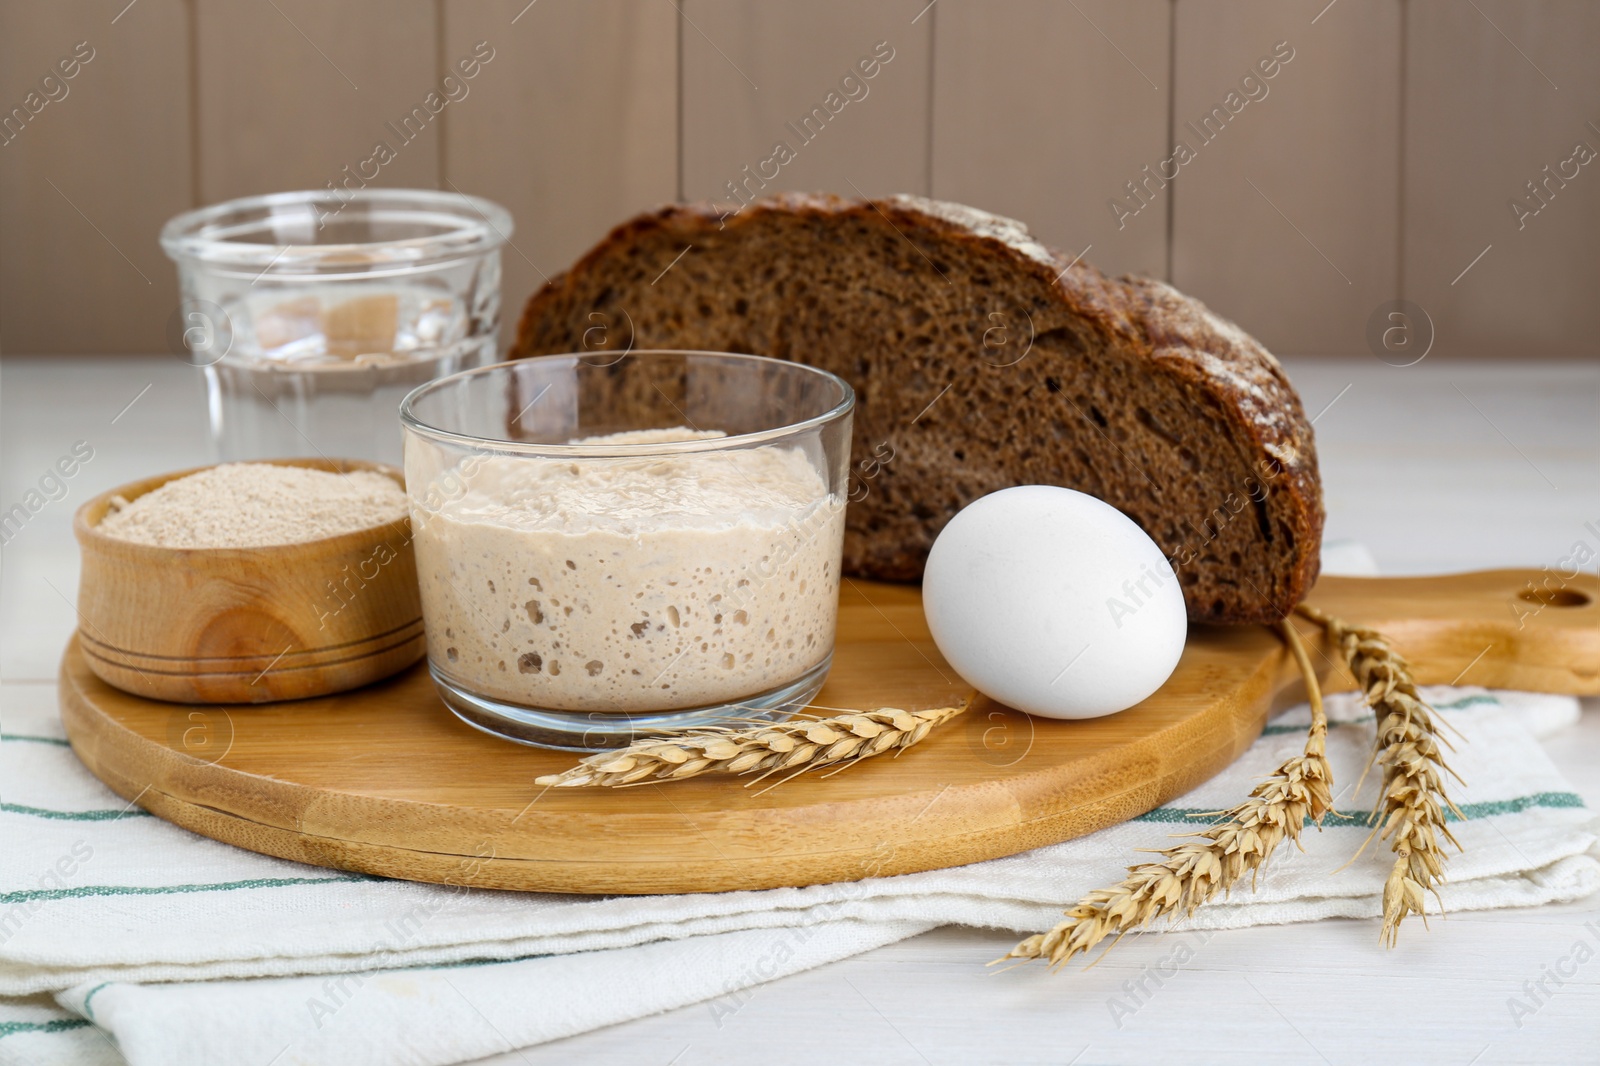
(314, 313)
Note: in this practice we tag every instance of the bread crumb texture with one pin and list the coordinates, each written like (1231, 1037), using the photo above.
(255, 505)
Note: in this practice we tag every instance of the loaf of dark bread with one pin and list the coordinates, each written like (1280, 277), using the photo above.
(981, 360)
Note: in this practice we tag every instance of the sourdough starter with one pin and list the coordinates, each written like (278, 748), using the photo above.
(630, 584)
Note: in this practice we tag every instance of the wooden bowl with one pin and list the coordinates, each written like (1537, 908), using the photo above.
(247, 625)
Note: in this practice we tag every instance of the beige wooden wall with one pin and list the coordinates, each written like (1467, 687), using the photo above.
(1380, 162)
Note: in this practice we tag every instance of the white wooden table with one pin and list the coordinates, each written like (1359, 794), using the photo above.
(1436, 468)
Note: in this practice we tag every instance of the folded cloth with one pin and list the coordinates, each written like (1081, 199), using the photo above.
(182, 950)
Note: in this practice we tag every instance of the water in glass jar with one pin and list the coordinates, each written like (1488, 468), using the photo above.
(320, 371)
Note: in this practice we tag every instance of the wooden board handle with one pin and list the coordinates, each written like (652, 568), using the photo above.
(1535, 630)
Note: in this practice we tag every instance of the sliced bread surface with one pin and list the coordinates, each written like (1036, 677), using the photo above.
(981, 360)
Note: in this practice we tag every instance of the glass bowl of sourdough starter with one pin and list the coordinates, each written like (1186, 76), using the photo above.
(619, 544)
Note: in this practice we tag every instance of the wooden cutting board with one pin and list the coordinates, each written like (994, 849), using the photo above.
(385, 780)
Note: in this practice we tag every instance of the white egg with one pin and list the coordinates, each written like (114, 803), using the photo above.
(1053, 602)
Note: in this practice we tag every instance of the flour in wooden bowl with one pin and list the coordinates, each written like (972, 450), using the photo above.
(254, 505)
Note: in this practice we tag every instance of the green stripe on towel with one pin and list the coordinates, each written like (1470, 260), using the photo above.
(90, 998)
(1454, 705)
(81, 892)
(1467, 701)
(1283, 730)
(1512, 806)
(1197, 816)
(60, 1024)
(75, 816)
(34, 740)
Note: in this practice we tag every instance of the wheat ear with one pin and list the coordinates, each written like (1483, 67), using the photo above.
(1411, 805)
(799, 744)
(1191, 873)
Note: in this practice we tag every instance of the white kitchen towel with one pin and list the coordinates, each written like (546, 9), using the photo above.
(182, 950)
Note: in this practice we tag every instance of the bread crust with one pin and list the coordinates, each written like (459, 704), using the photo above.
(1222, 366)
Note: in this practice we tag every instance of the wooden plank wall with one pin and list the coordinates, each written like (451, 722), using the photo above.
(1419, 149)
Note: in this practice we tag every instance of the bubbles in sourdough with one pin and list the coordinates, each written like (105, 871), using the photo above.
(633, 583)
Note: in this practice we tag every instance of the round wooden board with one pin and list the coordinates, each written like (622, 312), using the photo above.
(386, 781)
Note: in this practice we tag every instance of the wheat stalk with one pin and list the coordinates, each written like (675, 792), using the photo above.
(1411, 804)
(799, 744)
(1193, 872)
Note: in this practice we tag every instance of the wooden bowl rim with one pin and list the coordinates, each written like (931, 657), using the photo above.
(89, 536)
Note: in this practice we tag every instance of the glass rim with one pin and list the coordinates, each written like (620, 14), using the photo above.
(412, 423)
(200, 235)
